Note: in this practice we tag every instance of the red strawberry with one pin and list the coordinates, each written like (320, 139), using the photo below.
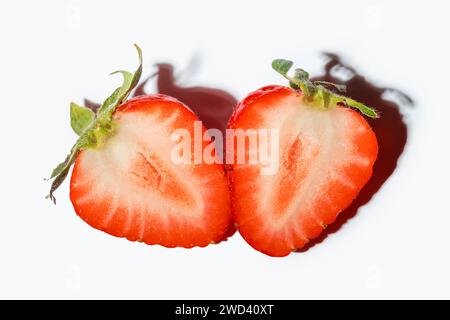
(326, 154)
(125, 183)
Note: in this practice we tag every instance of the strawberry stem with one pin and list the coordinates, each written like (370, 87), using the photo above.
(316, 93)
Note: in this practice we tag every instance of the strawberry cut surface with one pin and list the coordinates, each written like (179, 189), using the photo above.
(325, 158)
(130, 187)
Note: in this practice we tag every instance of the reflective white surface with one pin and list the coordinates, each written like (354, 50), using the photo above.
(57, 51)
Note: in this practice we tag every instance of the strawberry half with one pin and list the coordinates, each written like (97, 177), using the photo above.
(124, 181)
(326, 154)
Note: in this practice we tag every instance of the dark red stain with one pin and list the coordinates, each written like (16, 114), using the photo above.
(212, 105)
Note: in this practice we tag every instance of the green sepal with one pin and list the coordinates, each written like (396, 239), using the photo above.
(130, 80)
(80, 118)
(365, 110)
(315, 93)
(61, 171)
(282, 66)
(301, 74)
(94, 129)
(338, 86)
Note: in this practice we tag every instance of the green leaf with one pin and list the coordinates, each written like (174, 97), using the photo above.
(301, 74)
(338, 86)
(60, 167)
(326, 98)
(119, 95)
(282, 66)
(127, 80)
(80, 118)
(61, 171)
(109, 105)
(293, 85)
(361, 107)
(138, 72)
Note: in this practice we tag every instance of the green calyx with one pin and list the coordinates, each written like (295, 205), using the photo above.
(92, 128)
(317, 93)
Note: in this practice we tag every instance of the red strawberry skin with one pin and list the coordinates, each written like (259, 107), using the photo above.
(130, 188)
(325, 158)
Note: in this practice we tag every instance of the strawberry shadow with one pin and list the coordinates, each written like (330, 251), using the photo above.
(212, 105)
(390, 129)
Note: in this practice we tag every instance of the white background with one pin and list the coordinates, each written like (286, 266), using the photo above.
(53, 52)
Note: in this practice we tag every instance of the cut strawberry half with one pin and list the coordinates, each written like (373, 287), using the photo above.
(131, 188)
(125, 181)
(326, 154)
